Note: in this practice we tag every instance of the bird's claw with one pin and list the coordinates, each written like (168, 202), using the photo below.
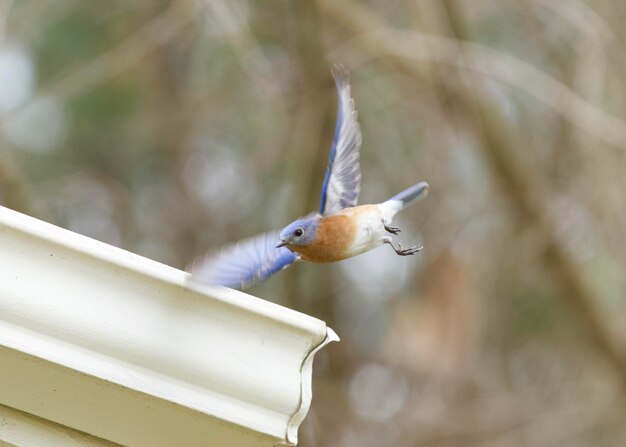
(400, 250)
(407, 251)
(391, 229)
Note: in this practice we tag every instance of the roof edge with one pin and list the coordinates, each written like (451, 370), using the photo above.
(101, 318)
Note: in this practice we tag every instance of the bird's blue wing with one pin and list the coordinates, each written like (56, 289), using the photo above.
(342, 181)
(242, 264)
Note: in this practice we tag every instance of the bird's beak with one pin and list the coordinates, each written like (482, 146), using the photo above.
(282, 243)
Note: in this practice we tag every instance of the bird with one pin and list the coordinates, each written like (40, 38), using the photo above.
(340, 229)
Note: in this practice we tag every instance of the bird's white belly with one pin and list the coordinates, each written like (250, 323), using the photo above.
(369, 230)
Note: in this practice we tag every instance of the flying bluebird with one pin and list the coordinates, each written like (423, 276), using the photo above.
(340, 229)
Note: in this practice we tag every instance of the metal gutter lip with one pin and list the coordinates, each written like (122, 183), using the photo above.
(187, 365)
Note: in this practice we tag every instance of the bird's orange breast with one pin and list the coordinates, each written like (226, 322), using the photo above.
(332, 240)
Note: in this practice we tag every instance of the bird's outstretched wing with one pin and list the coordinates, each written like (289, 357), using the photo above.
(342, 181)
(244, 263)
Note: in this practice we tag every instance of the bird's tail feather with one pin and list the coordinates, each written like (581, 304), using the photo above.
(403, 199)
(412, 194)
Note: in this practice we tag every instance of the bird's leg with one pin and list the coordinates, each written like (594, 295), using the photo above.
(402, 251)
(391, 229)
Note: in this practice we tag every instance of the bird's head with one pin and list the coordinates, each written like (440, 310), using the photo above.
(299, 232)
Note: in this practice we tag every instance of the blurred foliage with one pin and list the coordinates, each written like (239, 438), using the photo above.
(171, 128)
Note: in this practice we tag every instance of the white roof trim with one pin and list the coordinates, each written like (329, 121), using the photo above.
(19, 429)
(116, 345)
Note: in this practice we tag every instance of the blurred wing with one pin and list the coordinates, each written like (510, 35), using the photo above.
(342, 181)
(242, 264)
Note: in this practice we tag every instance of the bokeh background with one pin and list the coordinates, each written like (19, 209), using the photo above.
(169, 128)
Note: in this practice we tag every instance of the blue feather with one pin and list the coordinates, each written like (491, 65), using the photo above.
(333, 148)
(411, 194)
(242, 264)
(340, 188)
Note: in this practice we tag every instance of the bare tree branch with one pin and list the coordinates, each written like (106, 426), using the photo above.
(120, 58)
(523, 184)
(493, 64)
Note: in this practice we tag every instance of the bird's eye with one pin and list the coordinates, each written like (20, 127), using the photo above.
(299, 232)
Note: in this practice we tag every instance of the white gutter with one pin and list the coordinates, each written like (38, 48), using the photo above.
(115, 345)
(19, 429)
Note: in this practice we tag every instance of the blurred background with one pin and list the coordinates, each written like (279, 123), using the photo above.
(169, 128)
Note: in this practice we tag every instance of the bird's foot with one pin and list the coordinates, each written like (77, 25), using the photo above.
(391, 229)
(401, 251)
(407, 251)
